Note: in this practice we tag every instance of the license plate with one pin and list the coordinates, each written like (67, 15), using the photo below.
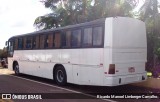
(131, 69)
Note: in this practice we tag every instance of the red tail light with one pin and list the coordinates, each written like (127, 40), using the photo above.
(111, 69)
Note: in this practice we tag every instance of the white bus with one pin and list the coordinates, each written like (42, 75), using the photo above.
(105, 52)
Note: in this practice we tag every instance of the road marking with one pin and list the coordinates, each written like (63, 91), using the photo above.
(62, 88)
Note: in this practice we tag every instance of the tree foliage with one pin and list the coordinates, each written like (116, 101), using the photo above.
(3, 53)
(67, 12)
(150, 15)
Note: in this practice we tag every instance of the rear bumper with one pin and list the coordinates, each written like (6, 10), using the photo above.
(124, 79)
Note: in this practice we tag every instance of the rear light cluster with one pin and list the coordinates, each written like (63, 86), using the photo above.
(111, 69)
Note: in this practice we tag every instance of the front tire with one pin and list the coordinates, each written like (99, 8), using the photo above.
(60, 76)
(16, 69)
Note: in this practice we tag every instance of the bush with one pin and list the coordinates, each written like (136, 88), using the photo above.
(158, 53)
(156, 69)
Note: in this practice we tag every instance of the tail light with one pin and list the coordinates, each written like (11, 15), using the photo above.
(111, 69)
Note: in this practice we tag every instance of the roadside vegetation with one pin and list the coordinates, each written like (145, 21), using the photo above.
(3, 53)
(3, 57)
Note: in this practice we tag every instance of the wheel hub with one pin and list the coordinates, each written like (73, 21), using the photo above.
(60, 76)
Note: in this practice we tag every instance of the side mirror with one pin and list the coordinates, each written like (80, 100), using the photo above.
(6, 43)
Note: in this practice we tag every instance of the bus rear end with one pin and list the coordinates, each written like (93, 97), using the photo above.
(125, 51)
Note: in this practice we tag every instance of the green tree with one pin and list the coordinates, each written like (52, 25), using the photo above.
(3, 53)
(66, 12)
(150, 15)
(47, 21)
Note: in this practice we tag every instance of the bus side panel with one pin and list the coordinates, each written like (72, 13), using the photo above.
(10, 62)
(66, 62)
(91, 75)
(24, 59)
(87, 68)
(45, 61)
(75, 61)
(34, 63)
(87, 64)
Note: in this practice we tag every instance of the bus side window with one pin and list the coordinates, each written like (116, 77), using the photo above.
(66, 39)
(50, 40)
(34, 42)
(46, 41)
(87, 37)
(24, 43)
(42, 41)
(20, 43)
(57, 40)
(16, 44)
(97, 36)
(76, 38)
(29, 43)
(37, 41)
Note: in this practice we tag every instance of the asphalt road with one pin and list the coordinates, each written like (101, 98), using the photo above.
(30, 85)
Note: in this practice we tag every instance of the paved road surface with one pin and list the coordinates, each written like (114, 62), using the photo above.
(9, 83)
(13, 84)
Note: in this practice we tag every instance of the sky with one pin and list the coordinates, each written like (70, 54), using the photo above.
(17, 17)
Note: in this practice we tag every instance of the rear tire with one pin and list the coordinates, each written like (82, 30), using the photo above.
(60, 76)
(16, 69)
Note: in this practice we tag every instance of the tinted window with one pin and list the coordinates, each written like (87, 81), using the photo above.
(29, 43)
(34, 42)
(66, 39)
(76, 38)
(46, 41)
(20, 43)
(50, 40)
(57, 40)
(24, 42)
(37, 41)
(87, 37)
(97, 36)
(16, 44)
(42, 39)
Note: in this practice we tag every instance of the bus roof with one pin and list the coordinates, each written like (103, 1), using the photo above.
(98, 21)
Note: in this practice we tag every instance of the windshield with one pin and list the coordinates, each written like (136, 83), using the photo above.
(10, 48)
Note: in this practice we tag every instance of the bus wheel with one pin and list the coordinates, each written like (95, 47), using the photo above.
(16, 69)
(60, 76)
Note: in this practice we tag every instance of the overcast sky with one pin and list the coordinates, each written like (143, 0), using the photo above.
(17, 17)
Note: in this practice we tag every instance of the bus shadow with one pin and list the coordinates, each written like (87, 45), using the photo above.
(122, 89)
